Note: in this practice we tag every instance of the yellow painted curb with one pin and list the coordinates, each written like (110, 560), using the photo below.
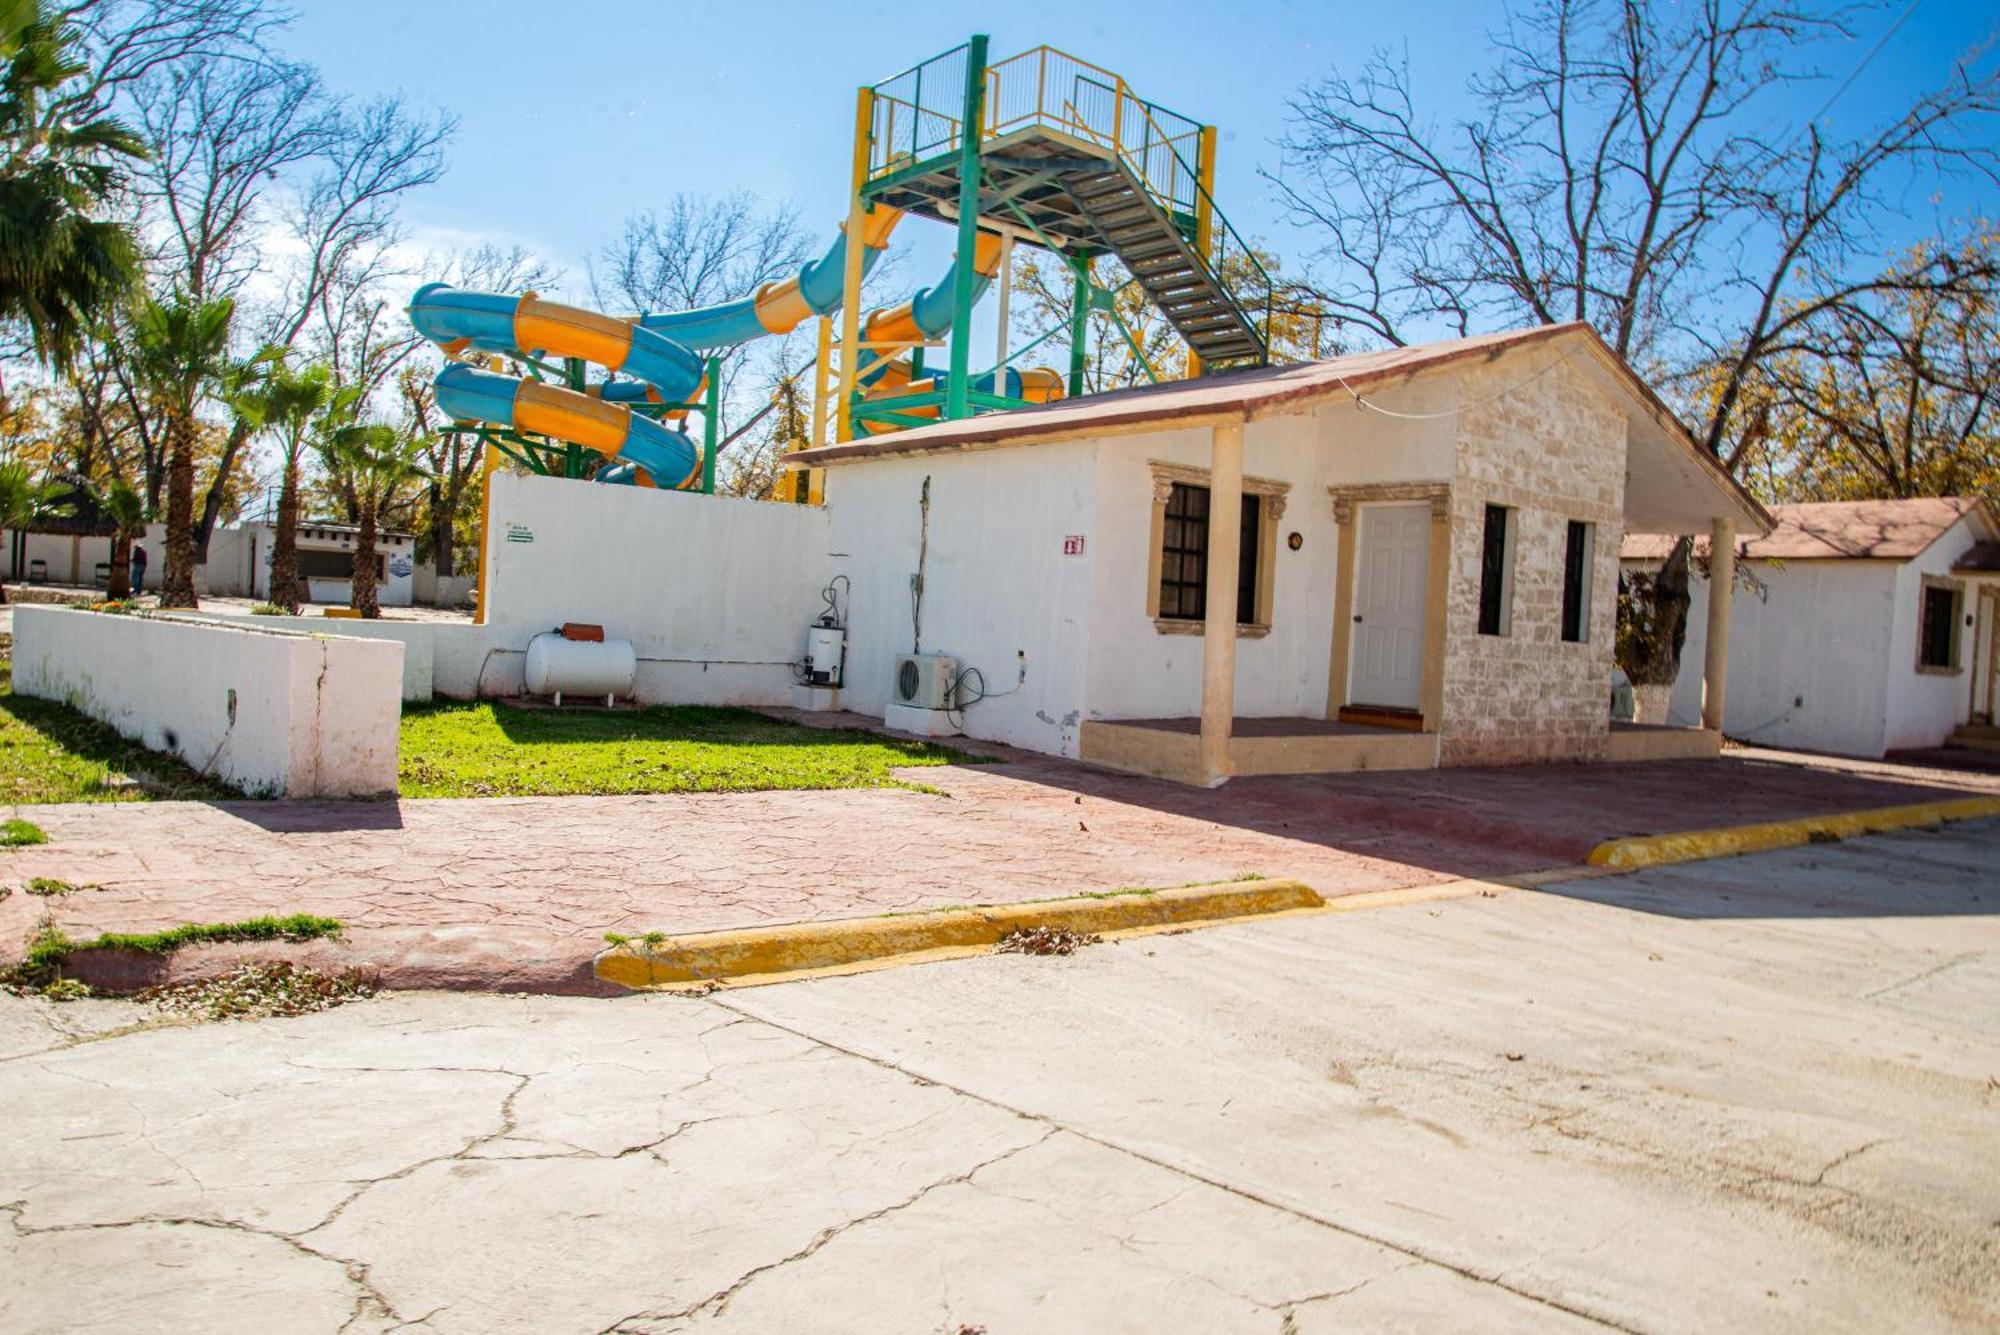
(1658, 850)
(812, 947)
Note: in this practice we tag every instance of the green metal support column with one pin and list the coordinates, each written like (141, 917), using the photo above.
(1079, 327)
(956, 404)
(711, 411)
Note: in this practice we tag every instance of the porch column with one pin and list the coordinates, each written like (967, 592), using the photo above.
(1721, 593)
(1218, 631)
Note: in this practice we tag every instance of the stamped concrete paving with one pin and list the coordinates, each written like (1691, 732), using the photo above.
(1762, 1093)
(517, 893)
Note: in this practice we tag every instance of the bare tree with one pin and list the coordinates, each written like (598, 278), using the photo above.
(224, 135)
(1618, 167)
(127, 42)
(696, 251)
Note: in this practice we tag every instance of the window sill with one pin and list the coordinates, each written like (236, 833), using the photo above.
(1175, 626)
(1932, 670)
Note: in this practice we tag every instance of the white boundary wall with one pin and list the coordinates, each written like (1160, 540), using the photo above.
(268, 712)
(416, 637)
(714, 592)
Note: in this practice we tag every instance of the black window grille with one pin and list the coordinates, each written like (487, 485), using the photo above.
(1938, 639)
(1184, 556)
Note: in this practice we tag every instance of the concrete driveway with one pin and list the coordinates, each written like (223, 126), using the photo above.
(1756, 1094)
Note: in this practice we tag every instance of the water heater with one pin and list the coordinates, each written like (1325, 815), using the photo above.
(825, 654)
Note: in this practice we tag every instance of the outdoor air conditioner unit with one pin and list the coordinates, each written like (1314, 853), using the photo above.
(923, 681)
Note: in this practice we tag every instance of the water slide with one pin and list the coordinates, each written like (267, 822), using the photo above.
(659, 352)
(885, 368)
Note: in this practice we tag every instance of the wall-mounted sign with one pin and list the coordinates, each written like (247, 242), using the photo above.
(1073, 545)
(401, 567)
(520, 533)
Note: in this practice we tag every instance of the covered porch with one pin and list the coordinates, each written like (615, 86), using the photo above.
(1171, 748)
(1670, 486)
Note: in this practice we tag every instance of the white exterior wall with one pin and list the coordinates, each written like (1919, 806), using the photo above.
(313, 716)
(1924, 707)
(1138, 672)
(1824, 658)
(399, 563)
(70, 559)
(999, 594)
(1809, 657)
(715, 593)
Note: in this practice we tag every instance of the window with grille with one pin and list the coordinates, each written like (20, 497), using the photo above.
(1937, 636)
(1184, 556)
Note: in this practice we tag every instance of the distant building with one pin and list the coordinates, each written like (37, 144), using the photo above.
(1860, 627)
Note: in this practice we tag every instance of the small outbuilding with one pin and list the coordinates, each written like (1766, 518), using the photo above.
(1394, 559)
(1860, 627)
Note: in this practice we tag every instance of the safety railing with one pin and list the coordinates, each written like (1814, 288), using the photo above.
(918, 115)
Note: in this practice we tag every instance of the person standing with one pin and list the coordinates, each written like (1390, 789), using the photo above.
(138, 568)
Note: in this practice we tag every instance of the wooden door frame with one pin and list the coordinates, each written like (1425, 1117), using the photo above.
(1346, 499)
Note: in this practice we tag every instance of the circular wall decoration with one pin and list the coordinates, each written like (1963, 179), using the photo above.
(1295, 540)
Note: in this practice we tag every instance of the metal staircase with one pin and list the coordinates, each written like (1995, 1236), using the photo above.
(1175, 276)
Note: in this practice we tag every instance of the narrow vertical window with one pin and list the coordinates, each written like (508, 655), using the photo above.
(1495, 575)
(1576, 582)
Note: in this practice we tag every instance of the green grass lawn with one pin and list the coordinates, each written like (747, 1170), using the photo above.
(51, 753)
(485, 750)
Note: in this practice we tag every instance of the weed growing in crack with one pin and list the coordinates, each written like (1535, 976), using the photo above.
(49, 948)
(48, 887)
(262, 991)
(19, 833)
(1044, 941)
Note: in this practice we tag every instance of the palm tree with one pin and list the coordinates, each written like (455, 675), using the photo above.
(24, 498)
(294, 403)
(124, 507)
(372, 463)
(63, 268)
(183, 351)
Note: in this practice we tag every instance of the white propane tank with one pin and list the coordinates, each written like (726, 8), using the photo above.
(559, 667)
(824, 654)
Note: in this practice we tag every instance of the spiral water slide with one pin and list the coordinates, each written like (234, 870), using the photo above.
(659, 353)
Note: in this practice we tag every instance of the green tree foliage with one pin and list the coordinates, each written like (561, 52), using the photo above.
(64, 265)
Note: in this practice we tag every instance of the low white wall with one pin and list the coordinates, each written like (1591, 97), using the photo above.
(416, 637)
(267, 712)
(715, 593)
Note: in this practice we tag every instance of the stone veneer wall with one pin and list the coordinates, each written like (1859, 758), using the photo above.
(1555, 450)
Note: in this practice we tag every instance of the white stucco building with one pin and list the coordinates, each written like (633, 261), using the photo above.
(1421, 546)
(238, 565)
(1861, 627)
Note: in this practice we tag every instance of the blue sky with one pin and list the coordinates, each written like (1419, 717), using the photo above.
(574, 117)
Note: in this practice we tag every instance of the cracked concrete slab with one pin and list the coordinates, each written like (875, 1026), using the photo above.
(166, 1276)
(1763, 1093)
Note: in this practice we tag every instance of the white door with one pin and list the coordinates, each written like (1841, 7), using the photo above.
(1391, 572)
